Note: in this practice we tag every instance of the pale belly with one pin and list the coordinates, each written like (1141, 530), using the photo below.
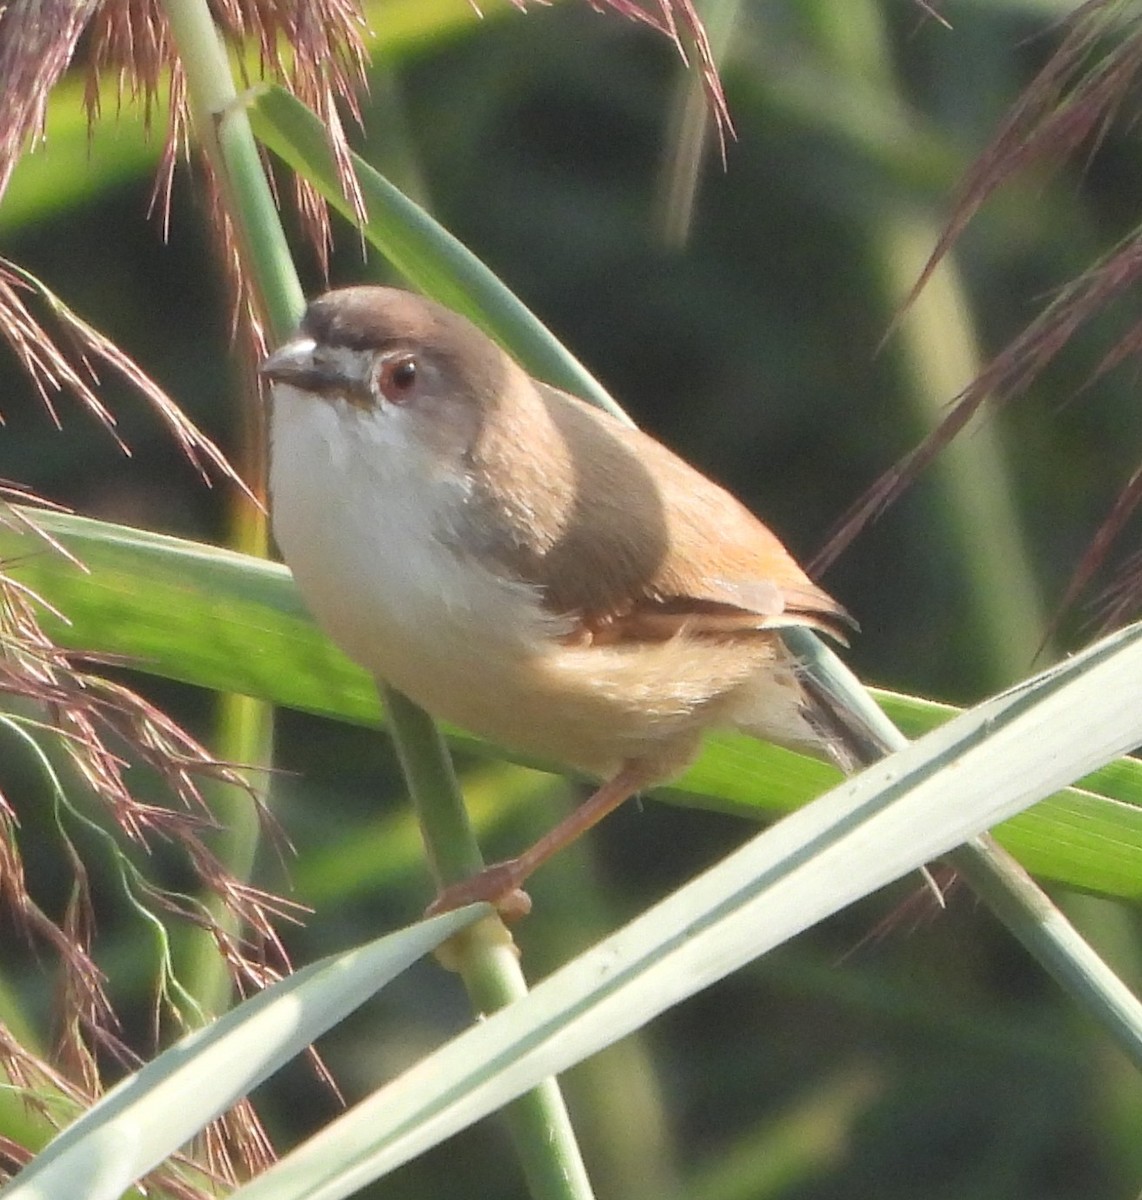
(485, 665)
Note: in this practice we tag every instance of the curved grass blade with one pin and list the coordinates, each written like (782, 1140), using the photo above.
(211, 617)
(153, 1112)
(939, 793)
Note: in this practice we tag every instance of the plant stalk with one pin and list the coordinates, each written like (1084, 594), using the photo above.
(539, 1123)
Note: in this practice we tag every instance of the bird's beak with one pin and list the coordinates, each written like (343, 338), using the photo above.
(298, 363)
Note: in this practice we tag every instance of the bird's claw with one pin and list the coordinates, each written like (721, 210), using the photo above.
(497, 885)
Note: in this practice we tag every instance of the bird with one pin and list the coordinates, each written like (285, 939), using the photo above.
(528, 567)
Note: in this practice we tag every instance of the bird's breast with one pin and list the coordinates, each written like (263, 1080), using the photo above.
(359, 522)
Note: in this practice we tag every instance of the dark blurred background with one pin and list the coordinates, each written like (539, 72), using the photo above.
(935, 1060)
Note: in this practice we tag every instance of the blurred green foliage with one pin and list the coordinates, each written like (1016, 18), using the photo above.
(934, 1061)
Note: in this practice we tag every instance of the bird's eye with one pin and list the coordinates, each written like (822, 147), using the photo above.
(396, 378)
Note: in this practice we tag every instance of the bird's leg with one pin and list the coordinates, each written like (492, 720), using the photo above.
(500, 883)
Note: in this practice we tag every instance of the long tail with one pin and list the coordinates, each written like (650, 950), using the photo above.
(849, 740)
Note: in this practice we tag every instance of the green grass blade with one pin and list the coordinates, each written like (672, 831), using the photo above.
(221, 620)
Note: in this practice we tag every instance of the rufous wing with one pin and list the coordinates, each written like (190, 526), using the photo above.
(624, 537)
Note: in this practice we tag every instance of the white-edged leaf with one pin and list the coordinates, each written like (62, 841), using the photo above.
(150, 1114)
(936, 794)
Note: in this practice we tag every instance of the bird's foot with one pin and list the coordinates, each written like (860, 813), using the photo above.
(497, 885)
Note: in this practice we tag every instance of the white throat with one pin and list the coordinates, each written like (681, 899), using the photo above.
(358, 512)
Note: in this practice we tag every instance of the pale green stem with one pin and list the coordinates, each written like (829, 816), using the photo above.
(224, 135)
(540, 1126)
(484, 955)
